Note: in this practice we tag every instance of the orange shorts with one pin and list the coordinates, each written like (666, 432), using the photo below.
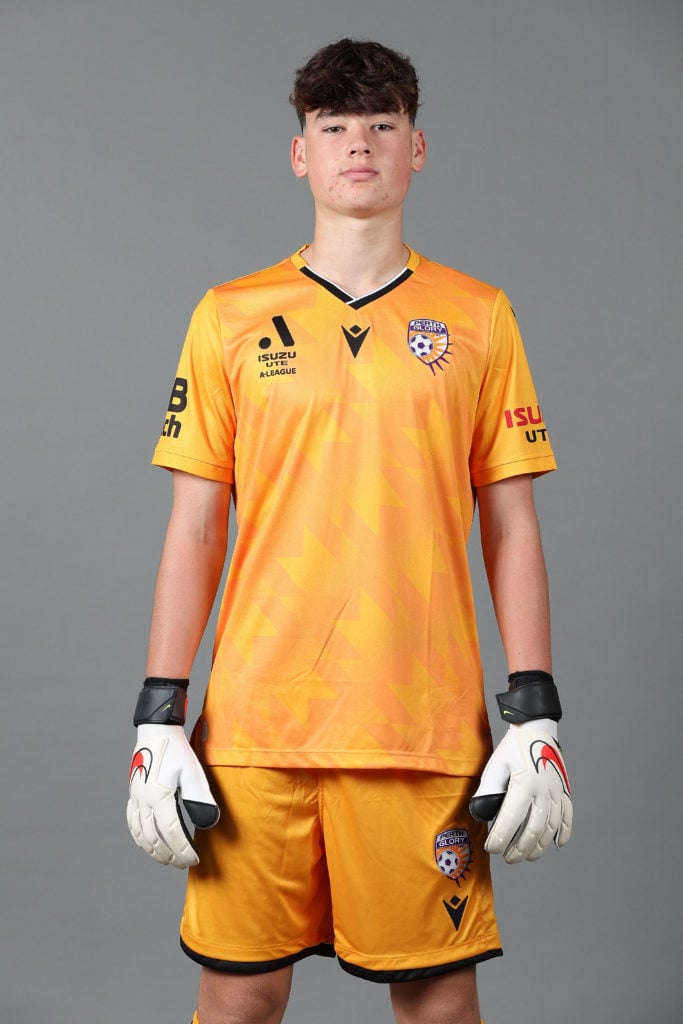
(385, 869)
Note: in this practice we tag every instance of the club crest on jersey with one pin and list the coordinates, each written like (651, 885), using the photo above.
(429, 341)
(453, 853)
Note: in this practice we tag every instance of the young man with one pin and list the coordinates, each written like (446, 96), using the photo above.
(352, 401)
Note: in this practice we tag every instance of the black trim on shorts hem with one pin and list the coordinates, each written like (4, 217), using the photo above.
(416, 973)
(256, 966)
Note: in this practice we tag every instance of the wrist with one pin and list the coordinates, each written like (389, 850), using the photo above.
(162, 702)
(532, 695)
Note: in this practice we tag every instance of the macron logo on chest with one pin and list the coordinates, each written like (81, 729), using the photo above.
(355, 337)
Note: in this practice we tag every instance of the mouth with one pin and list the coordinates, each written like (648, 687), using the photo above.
(359, 174)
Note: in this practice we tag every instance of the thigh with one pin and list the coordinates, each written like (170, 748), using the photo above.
(410, 880)
(259, 897)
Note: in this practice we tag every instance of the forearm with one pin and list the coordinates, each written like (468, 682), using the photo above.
(515, 566)
(189, 573)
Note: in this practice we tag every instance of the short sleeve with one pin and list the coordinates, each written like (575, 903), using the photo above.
(199, 427)
(510, 436)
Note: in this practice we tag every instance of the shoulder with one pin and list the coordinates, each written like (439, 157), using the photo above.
(266, 277)
(457, 280)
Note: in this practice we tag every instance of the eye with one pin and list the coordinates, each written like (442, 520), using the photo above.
(333, 129)
(383, 126)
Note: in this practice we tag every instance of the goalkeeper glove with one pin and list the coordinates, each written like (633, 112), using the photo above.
(164, 771)
(524, 787)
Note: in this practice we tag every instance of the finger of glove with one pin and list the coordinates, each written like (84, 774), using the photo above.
(133, 819)
(200, 814)
(544, 821)
(510, 818)
(488, 797)
(567, 819)
(494, 778)
(166, 838)
(485, 808)
(135, 815)
(179, 771)
(536, 835)
(196, 795)
(148, 837)
(559, 816)
(496, 774)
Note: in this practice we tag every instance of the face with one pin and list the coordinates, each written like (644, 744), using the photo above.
(358, 164)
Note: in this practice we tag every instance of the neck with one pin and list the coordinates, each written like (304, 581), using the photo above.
(359, 255)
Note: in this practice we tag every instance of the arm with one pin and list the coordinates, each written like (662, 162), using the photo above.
(524, 786)
(165, 769)
(189, 573)
(513, 557)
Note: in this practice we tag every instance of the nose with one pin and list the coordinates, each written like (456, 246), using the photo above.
(359, 140)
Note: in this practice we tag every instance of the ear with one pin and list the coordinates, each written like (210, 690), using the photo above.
(419, 149)
(298, 156)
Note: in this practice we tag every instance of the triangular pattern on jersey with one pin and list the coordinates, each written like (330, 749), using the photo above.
(346, 635)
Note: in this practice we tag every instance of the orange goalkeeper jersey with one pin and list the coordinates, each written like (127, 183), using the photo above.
(353, 432)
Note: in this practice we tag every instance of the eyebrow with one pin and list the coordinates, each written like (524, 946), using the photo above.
(323, 115)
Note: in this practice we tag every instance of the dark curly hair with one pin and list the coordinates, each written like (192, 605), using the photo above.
(356, 77)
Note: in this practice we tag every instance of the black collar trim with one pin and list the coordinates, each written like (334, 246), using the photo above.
(364, 300)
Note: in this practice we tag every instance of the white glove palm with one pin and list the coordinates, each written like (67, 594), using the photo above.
(525, 785)
(165, 770)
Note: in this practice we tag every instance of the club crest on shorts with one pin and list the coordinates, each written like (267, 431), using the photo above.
(429, 341)
(453, 852)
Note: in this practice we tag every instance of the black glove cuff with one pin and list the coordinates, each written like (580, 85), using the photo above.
(531, 695)
(161, 702)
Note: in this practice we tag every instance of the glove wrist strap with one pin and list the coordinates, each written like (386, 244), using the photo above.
(531, 695)
(161, 702)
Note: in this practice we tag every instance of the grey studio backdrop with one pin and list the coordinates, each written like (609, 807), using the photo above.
(144, 159)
